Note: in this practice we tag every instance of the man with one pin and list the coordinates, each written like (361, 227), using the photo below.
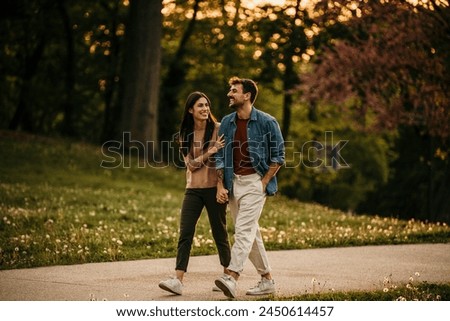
(246, 168)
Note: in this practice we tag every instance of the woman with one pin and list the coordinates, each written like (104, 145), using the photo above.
(198, 143)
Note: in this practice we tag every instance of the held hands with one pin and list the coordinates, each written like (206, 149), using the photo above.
(222, 195)
(219, 143)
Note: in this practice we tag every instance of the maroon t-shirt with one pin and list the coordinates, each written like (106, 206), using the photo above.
(241, 159)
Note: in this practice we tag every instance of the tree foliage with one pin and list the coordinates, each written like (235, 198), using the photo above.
(395, 67)
(392, 74)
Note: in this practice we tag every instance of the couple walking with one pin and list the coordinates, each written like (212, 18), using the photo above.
(233, 163)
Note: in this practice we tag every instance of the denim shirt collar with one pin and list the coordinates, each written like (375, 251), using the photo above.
(253, 115)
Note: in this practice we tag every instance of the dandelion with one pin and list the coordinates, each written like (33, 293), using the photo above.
(411, 279)
(313, 283)
(119, 242)
(417, 274)
(196, 242)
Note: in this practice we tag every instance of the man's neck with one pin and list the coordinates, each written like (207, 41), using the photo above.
(244, 111)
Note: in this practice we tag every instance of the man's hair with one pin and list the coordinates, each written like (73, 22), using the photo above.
(248, 85)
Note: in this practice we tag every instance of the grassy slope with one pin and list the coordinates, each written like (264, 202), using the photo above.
(59, 206)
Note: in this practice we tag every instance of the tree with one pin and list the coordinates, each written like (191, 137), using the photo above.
(174, 79)
(396, 66)
(393, 75)
(110, 77)
(70, 65)
(23, 46)
(283, 42)
(141, 77)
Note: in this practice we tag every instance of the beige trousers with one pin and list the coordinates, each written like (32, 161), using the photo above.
(246, 205)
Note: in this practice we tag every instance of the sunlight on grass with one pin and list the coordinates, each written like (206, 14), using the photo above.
(58, 206)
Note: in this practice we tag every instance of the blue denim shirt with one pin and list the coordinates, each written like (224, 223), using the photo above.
(265, 144)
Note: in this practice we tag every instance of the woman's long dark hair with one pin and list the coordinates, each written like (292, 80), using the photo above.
(187, 124)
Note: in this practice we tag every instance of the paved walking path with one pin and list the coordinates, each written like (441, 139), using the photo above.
(295, 272)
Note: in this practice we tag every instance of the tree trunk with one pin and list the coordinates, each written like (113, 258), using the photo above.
(112, 115)
(22, 118)
(174, 79)
(290, 78)
(68, 128)
(141, 78)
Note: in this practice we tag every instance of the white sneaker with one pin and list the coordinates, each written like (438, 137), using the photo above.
(227, 284)
(172, 285)
(265, 286)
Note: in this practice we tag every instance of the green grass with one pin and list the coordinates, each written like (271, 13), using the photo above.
(412, 291)
(59, 206)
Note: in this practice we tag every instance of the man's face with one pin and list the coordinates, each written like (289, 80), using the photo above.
(236, 96)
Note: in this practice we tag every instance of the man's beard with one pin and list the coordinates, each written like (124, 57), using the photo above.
(233, 105)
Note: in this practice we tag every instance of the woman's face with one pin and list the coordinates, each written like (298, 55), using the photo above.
(200, 110)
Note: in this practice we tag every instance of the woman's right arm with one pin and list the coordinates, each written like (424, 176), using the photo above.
(196, 163)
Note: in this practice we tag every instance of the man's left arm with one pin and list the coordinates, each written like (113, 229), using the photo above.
(276, 150)
(273, 169)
